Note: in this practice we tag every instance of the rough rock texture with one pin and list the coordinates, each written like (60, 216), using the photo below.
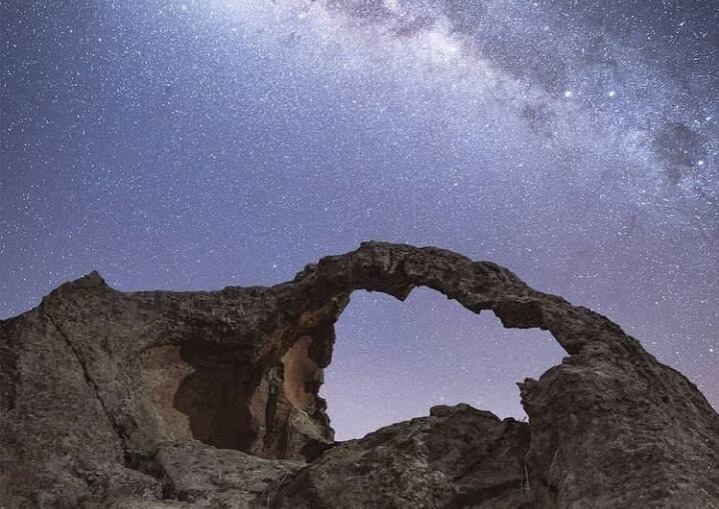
(458, 457)
(210, 477)
(170, 399)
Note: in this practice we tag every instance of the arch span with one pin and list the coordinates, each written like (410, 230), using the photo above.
(319, 293)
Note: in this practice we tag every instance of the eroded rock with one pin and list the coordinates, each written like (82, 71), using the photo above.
(457, 457)
(205, 476)
(135, 399)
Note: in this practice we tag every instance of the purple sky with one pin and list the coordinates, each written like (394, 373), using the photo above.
(198, 144)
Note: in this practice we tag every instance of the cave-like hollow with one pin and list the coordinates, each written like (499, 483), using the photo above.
(208, 394)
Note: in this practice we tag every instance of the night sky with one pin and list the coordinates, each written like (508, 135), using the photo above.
(200, 144)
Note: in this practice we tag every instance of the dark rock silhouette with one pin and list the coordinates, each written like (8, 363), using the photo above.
(209, 399)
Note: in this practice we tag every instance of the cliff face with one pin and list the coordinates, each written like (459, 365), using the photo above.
(209, 399)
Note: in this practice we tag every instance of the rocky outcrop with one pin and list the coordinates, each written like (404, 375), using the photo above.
(457, 457)
(210, 399)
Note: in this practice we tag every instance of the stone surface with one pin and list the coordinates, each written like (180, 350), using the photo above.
(172, 399)
(457, 457)
(208, 477)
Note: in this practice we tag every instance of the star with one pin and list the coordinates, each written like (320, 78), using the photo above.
(574, 143)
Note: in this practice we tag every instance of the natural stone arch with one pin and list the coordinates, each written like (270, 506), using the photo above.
(261, 350)
(310, 304)
(397, 269)
(306, 309)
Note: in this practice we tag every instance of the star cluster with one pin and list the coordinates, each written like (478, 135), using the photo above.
(197, 144)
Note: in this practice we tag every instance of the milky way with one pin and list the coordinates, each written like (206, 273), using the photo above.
(193, 145)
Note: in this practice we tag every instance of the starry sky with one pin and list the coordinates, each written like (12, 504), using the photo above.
(198, 144)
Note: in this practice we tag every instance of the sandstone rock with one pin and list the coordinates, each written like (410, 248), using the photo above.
(173, 399)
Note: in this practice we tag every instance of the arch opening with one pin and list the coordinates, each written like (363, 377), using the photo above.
(394, 360)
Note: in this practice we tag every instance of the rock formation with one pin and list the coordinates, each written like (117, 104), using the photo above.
(210, 399)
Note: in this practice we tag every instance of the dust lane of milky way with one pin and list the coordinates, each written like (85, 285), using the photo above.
(191, 145)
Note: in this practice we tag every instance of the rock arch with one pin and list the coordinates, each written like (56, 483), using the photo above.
(241, 368)
(308, 306)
